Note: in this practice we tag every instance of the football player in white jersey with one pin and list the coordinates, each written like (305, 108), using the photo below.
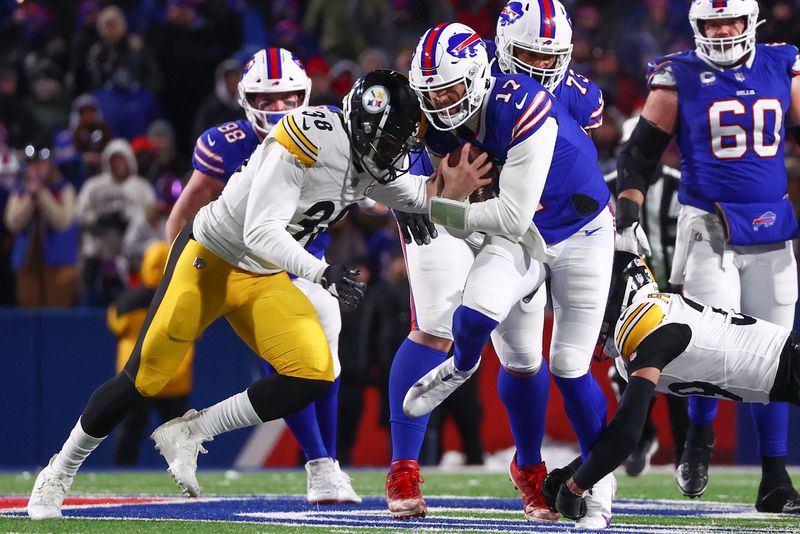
(736, 224)
(233, 261)
(274, 82)
(668, 343)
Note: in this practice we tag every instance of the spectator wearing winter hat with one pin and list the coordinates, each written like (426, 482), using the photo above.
(77, 149)
(116, 46)
(48, 101)
(106, 205)
(41, 215)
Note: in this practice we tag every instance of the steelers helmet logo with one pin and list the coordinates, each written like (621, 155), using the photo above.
(375, 99)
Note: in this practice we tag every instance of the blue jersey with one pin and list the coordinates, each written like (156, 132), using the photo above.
(730, 127)
(516, 107)
(580, 95)
(222, 149)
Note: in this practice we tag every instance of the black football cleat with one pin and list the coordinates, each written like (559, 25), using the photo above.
(782, 499)
(692, 472)
(638, 463)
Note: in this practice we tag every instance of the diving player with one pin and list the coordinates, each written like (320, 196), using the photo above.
(232, 260)
(728, 102)
(668, 343)
(273, 82)
(512, 117)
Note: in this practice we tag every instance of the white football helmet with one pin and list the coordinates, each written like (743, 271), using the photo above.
(542, 27)
(447, 55)
(271, 70)
(724, 51)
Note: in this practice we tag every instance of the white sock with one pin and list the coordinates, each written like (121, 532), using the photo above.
(232, 413)
(78, 446)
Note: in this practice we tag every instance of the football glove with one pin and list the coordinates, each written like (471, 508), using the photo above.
(632, 239)
(554, 480)
(341, 282)
(570, 505)
(416, 226)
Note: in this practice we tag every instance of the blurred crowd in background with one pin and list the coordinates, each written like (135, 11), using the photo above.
(101, 103)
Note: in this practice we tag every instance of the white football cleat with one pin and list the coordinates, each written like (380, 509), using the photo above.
(322, 483)
(179, 446)
(346, 492)
(49, 491)
(598, 504)
(433, 388)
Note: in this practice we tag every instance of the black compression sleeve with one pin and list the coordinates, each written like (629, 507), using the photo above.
(638, 161)
(661, 346)
(621, 436)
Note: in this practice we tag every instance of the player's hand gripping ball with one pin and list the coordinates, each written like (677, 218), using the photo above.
(482, 193)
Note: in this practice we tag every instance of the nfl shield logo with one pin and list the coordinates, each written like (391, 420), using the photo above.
(739, 76)
(199, 263)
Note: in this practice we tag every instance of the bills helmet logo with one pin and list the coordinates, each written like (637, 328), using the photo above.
(248, 65)
(511, 13)
(298, 62)
(375, 99)
(464, 45)
(766, 220)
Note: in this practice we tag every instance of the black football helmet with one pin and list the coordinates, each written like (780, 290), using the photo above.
(384, 122)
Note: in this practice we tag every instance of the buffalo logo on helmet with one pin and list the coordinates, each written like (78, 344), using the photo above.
(464, 45)
(510, 13)
(248, 65)
(375, 99)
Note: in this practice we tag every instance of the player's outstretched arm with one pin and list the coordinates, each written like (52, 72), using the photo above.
(613, 447)
(200, 190)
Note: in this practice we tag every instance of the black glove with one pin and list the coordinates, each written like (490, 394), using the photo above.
(570, 505)
(341, 282)
(417, 226)
(553, 481)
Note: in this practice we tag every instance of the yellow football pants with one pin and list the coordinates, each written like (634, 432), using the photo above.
(268, 312)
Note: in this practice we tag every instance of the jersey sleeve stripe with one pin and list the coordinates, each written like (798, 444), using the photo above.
(208, 152)
(203, 163)
(283, 135)
(599, 111)
(299, 135)
(530, 109)
(628, 321)
(525, 128)
(648, 320)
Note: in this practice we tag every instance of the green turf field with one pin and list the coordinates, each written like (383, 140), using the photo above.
(726, 487)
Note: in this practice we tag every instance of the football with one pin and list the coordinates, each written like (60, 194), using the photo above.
(482, 193)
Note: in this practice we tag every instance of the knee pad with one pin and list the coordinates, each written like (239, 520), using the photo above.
(184, 316)
(569, 363)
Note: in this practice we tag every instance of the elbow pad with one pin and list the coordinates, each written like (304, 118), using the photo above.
(639, 157)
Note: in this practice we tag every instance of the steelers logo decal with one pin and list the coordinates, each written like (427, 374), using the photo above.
(375, 99)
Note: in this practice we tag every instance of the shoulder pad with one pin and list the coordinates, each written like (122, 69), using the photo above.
(298, 134)
(641, 318)
(207, 157)
(787, 51)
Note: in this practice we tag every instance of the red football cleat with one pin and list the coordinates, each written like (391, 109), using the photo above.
(402, 490)
(529, 483)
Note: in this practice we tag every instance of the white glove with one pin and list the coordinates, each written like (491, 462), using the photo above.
(633, 239)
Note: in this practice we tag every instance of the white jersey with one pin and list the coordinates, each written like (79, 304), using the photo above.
(297, 182)
(729, 356)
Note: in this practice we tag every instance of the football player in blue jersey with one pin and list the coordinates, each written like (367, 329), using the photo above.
(457, 299)
(535, 39)
(729, 103)
(273, 82)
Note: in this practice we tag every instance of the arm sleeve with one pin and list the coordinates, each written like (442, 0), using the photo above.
(621, 436)
(275, 191)
(521, 184)
(661, 346)
(406, 193)
(19, 211)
